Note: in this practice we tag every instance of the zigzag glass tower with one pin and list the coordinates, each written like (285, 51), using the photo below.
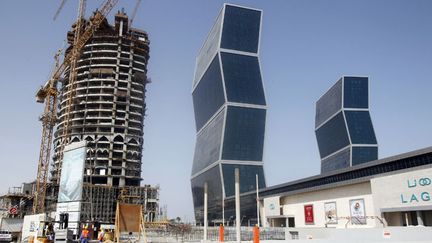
(230, 113)
(343, 125)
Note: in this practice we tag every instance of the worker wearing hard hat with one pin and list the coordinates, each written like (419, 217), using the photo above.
(84, 235)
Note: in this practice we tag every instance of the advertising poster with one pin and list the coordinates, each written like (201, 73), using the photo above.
(357, 210)
(308, 213)
(330, 213)
(72, 173)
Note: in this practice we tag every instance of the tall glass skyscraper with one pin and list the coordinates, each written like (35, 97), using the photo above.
(230, 113)
(343, 125)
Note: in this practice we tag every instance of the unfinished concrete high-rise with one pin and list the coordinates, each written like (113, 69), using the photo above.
(108, 103)
(105, 107)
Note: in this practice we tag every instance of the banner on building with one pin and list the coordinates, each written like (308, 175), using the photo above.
(72, 173)
(357, 210)
(272, 206)
(309, 214)
(330, 213)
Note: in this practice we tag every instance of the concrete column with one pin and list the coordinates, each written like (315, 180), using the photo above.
(419, 218)
(237, 203)
(407, 219)
(205, 211)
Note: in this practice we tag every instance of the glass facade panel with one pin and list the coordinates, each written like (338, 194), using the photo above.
(247, 210)
(329, 104)
(332, 136)
(208, 96)
(360, 127)
(244, 134)
(208, 50)
(337, 161)
(208, 144)
(247, 178)
(356, 92)
(242, 79)
(214, 186)
(242, 128)
(364, 154)
(241, 29)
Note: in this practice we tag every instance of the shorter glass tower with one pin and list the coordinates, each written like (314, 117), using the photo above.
(343, 126)
(230, 113)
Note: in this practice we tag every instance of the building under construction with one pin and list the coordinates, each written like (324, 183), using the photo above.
(105, 107)
(15, 203)
(108, 103)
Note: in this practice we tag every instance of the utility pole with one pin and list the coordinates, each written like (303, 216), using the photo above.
(257, 201)
(205, 211)
(237, 203)
(223, 209)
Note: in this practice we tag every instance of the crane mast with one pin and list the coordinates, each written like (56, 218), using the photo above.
(48, 120)
(48, 94)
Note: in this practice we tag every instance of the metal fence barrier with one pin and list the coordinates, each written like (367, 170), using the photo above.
(196, 233)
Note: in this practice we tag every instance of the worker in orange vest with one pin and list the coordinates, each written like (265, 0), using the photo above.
(84, 235)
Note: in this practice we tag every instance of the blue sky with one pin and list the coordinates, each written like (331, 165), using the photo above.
(306, 46)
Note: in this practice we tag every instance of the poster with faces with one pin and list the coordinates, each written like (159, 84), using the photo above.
(357, 210)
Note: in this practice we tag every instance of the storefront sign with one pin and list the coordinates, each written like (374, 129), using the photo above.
(308, 213)
(357, 210)
(409, 189)
(330, 213)
(414, 197)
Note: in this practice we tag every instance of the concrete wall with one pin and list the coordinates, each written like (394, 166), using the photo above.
(389, 234)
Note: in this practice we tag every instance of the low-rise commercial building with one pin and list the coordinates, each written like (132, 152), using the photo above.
(394, 191)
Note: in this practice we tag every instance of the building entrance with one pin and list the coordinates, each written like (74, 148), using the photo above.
(409, 218)
(282, 221)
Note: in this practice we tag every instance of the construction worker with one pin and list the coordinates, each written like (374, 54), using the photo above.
(84, 235)
(101, 235)
(49, 232)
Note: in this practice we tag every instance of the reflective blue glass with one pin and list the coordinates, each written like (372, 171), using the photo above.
(329, 104)
(244, 134)
(337, 161)
(208, 144)
(332, 136)
(214, 186)
(356, 92)
(241, 29)
(242, 79)
(247, 178)
(364, 154)
(247, 210)
(208, 96)
(360, 127)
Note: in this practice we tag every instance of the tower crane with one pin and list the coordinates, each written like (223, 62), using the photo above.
(59, 9)
(48, 94)
(138, 2)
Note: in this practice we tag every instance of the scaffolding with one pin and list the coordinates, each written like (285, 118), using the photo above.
(100, 202)
(16, 202)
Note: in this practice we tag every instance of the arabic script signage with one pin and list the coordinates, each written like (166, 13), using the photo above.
(410, 189)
